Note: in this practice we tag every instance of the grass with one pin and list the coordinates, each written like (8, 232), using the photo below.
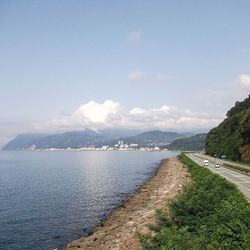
(210, 214)
(247, 165)
(242, 168)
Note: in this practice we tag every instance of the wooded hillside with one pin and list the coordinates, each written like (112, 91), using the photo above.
(232, 136)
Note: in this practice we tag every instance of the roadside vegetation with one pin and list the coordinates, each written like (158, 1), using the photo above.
(210, 214)
(240, 168)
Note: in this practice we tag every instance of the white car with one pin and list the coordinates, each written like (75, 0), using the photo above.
(217, 165)
(205, 162)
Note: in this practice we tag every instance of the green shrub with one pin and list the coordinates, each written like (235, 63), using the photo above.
(210, 214)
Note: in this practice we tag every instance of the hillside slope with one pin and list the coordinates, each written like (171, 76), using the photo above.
(232, 136)
(23, 141)
(75, 139)
(153, 138)
(192, 143)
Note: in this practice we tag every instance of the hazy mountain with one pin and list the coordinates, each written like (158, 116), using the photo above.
(153, 138)
(23, 141)
(76, 139)
(116, 133)
(192, 143)
(88, 138)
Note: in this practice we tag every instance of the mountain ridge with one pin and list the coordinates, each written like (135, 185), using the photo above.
(192, 143)
(90, 138)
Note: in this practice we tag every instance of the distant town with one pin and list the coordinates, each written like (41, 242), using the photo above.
(120, 146)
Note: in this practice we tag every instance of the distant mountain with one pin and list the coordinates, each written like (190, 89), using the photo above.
(23, 141)
(232, 137)
(119, 133)
(192, 143)
(76, 139)
(153, 138)
(89, 138)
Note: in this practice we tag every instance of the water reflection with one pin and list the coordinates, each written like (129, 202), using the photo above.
(51, 198)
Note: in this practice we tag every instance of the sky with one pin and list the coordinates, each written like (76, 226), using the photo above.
(169, 65)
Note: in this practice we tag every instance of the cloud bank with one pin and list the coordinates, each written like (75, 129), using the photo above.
(111, 114)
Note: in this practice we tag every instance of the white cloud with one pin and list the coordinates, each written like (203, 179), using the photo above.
(109, 114)
(245, 80)
(90, 115)
(136, 111)
(166, 117)
(96, 112)
(136, 76)
(164, 78)
(135, 36)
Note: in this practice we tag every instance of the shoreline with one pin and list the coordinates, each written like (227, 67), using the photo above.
(88, 150)
(118, 230)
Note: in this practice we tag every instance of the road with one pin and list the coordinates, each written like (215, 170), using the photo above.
(241, 180)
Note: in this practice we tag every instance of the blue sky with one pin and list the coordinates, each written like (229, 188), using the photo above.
(59, 58)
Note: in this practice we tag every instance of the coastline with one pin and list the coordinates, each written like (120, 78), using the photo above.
(118, 230)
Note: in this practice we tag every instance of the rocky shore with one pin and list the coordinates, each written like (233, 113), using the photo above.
(118, 231)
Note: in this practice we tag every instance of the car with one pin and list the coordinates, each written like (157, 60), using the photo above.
(217, 165)
(205, 162)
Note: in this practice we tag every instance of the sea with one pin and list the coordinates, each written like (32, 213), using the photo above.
(48, 199)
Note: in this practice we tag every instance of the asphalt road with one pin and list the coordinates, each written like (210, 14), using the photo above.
(241, 180)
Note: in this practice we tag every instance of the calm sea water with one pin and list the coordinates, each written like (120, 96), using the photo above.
(48, 199)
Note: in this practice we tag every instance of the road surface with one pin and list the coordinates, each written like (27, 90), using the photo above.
(241, 180)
